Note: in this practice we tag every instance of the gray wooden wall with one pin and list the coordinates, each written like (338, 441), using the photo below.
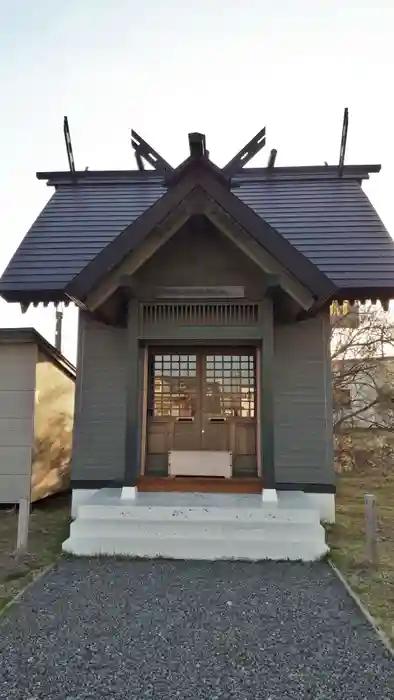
(180, 262)
(100, 402)
(17, 389)
(303, 404)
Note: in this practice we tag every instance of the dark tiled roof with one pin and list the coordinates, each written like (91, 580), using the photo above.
(328, 219)
(332, 222)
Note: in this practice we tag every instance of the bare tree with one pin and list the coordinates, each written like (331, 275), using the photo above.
(362, 347)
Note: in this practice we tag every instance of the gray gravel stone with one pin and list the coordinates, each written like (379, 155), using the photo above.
(122, 629)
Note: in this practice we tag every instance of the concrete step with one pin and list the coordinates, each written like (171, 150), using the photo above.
(133, 529)
(262, 514)
(211, 549)
(198, 526)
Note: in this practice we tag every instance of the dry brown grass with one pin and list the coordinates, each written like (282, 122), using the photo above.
(48, 529)
(347, 540)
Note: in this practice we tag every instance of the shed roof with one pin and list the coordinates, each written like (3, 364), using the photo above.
(30, 335)
(326, 217)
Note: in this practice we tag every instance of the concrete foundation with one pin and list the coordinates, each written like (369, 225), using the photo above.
(325, 504)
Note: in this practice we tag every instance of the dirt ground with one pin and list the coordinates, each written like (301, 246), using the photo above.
(48, 529)
(347, 540)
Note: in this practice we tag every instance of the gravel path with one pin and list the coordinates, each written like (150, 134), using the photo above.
(123, 630)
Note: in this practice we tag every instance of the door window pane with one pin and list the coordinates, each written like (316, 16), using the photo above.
(175, 385)
(229, 390)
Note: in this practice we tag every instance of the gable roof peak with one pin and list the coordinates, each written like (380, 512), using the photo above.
(197, 162)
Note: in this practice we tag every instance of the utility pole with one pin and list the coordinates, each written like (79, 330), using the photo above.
(58, 328)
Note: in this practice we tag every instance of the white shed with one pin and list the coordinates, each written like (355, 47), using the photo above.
(37, 386)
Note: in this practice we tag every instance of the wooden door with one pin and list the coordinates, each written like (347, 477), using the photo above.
(202, 399)
(229, 406)
(174, 410)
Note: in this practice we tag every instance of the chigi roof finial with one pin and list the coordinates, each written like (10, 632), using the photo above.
(144, 152)
(245, 154)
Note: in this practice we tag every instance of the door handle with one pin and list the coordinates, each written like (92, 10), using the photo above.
(217, 419)
(185, 419)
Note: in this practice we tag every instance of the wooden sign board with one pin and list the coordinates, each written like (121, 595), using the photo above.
(200, 292)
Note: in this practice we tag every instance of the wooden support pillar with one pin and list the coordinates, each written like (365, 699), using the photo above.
(133, 403)
(267, 396)
(144, 382)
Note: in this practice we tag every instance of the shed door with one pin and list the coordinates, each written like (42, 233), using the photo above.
(202, 399)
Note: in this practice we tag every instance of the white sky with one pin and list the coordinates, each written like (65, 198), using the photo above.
(223, 67)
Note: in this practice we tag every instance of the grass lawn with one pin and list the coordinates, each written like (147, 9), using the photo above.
(48, 529)
(347, 541)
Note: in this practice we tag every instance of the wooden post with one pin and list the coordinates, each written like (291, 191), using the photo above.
(258, 409)
(266, 378)
(144, 406)
(58, 329)
(371, 529)
(133, 404)
(23, 525)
